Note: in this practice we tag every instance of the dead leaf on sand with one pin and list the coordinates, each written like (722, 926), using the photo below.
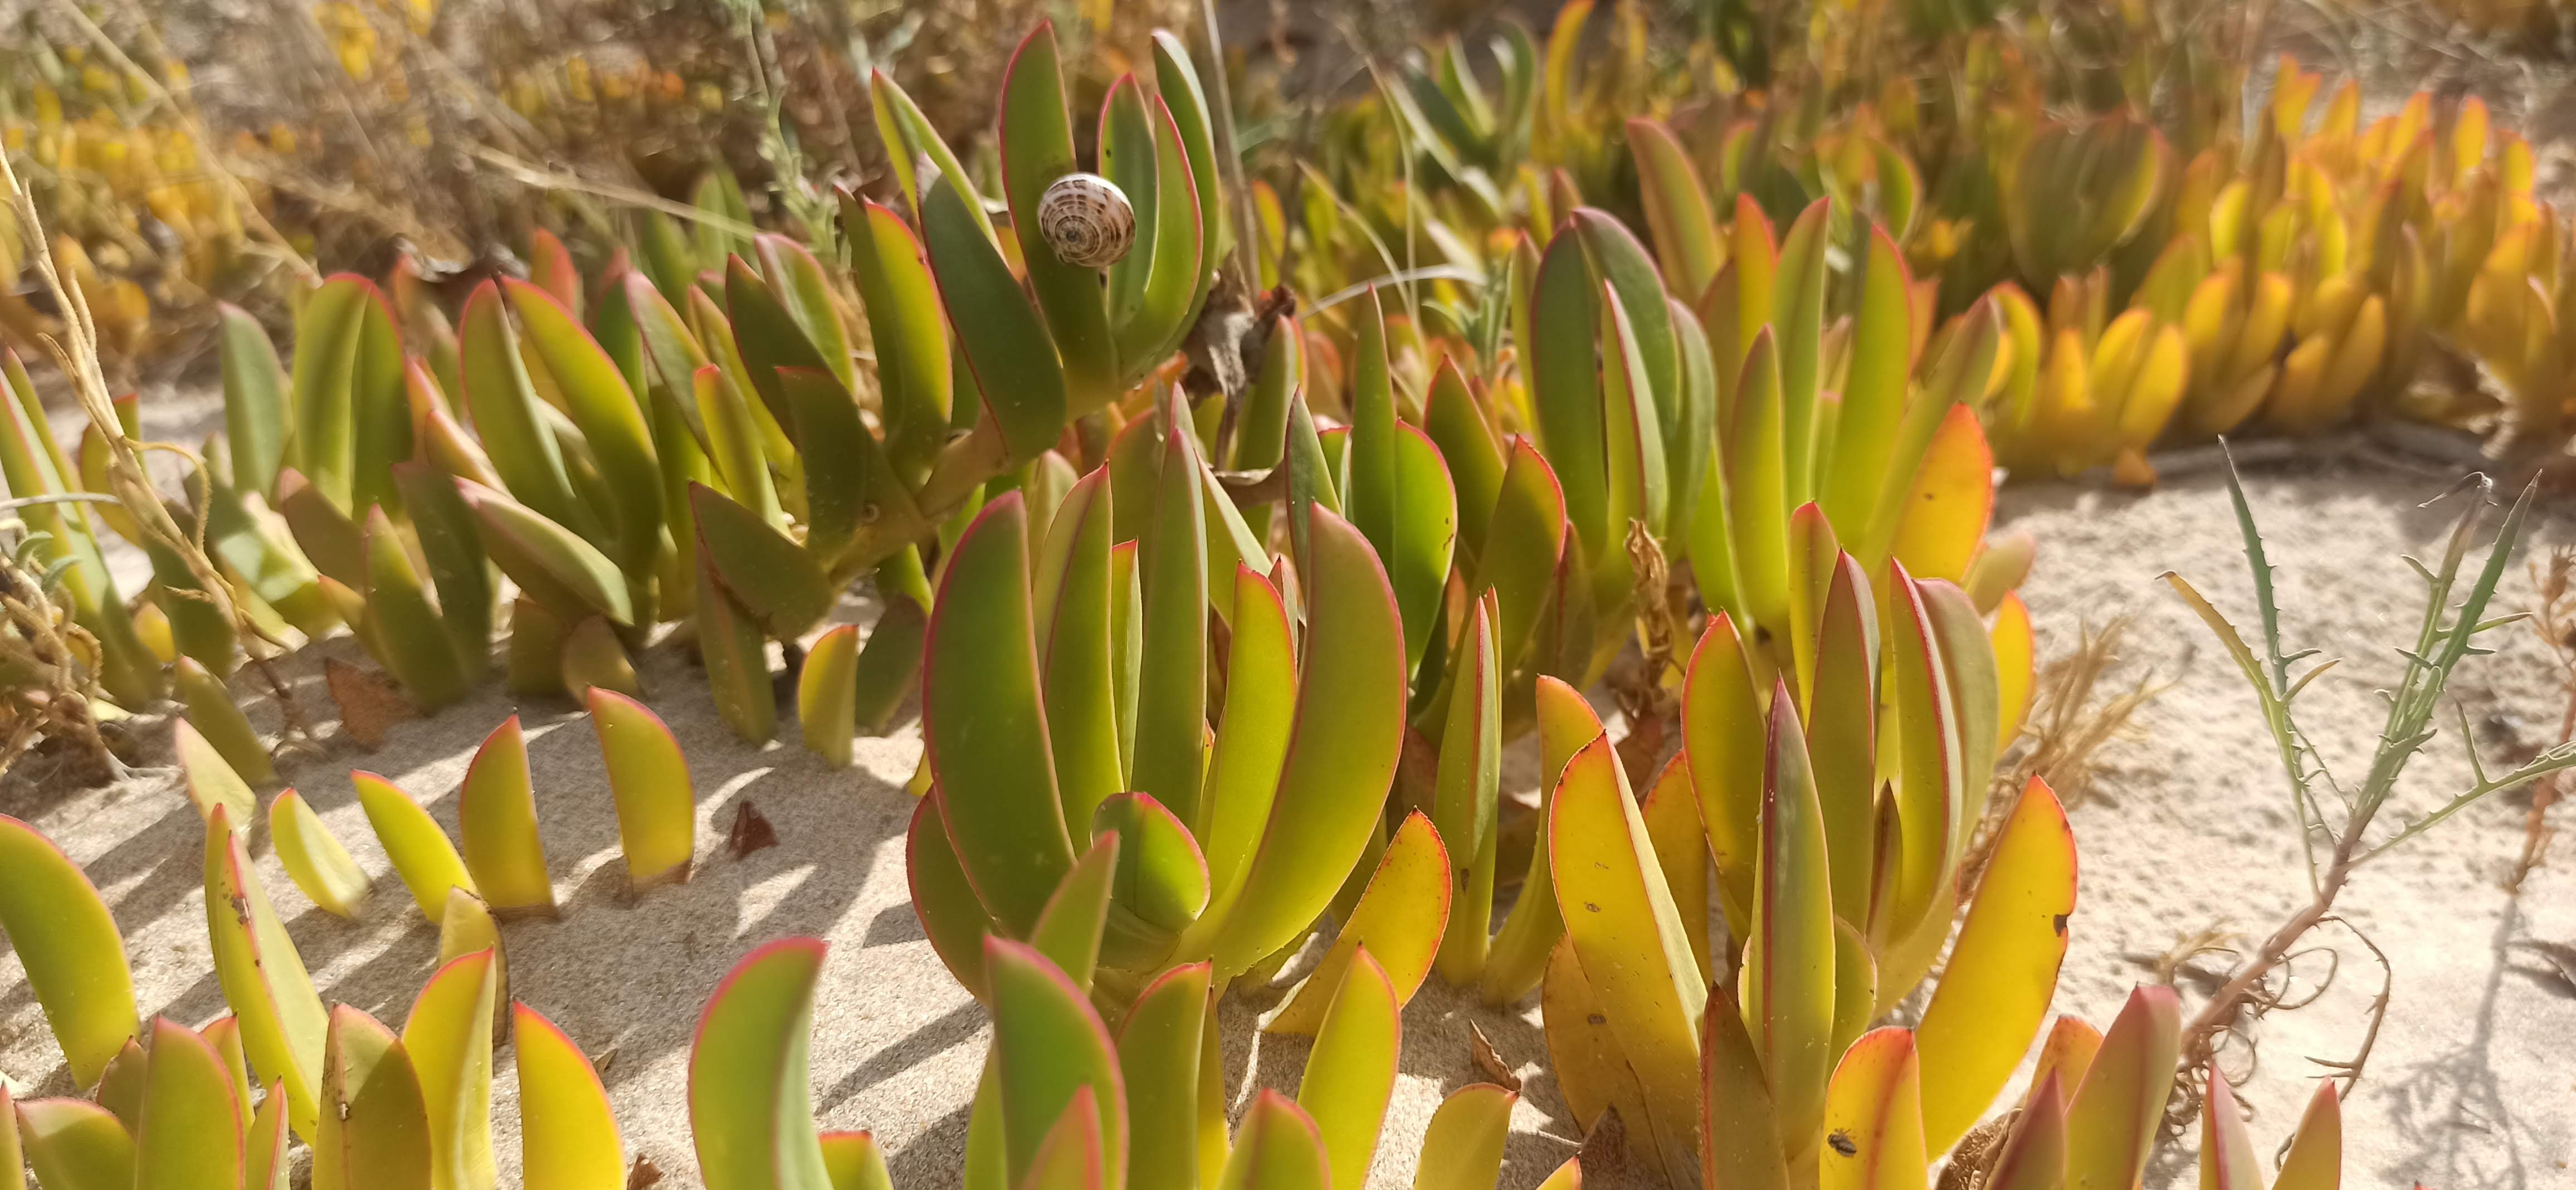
(750, 832)
(1491, 1064)
(370, 703)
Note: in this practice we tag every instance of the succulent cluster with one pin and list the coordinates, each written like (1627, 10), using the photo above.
(1225, 554)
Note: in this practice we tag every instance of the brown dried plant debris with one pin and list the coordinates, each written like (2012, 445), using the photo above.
(2555, 621)
(1490, 1062)
(370, 703)
(750, 832)
(2069, 723)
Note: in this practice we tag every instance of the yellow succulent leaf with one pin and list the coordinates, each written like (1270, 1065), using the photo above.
(497, 816)
(1874, 1117)
(2016, 655)
(1945, 517)
(2315, 1159)
(1629, 939)
(567, 1136)
(314, 859)
(2003, 969)
(419, 849)
(449, 1039)
(1399, 919)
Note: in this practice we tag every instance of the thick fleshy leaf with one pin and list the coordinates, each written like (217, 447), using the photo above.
(1788, 973)
(219, 723)
(906, 330)
(826, 695)
(1069, 1157)
(265, 1162)
(1159, 1057)
(1278, 1148)
(314, 858)
(854, 1161)
(942, 899)
(448, 1037)
(1168, 281)
(405, 624)
(1426, 532)
(984, 725)
(2034, 1152)
(2112, 1117)
(321, 396)
(1000, 337)
(467, 926)
(1874, 1117)
(765, 571)
(325, 534)
(767, 336)
(1929, 796)
(733, 446)
(1162, 876)
(420, 851)
(2315, 1159)
(496, 813)
(1073, 612)
(612, 421)
(551, 563)
(255, 399)
(750, 1108)
(190, 1135)
(1457, 424)
(207, 778)
(889, 666)
(592, 658)
(1036, 137)
(848, 483)
(282, 1022)
(2015, 668)
(2227, 1160)
(1671, 813)
(1798, 315)
(1466, 798)
(452, 548)
(1350, 1072)
(1756, 486)
(1722, 731)
(375, 1129)
(1462, 1147)
(737, 660)
(507, 418)
(1399, 920)
(1944, 520)
(1252, 734)
(1565, 386)
(2003, 969)
(1518, 957)
(1171, 697)
(1630, 939)
(75, 1144)
(1583, 1051)
(1068, 931)
(1841, 712)
(1864, 460)
(649, 778)
(1677, 211)
(1739, 1130)
(1341, 755)
(1526, 537)
(224, 1033)
(1969, 670)
(567, 1136)
(1048, 1043)
(120, 1090)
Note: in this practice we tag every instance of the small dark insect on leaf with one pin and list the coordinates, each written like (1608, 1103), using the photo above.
(750, 832)
(643, 1173)
(1488, 1062)
(1841, 1142)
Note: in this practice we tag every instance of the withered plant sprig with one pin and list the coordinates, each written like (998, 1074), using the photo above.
(2446, 637)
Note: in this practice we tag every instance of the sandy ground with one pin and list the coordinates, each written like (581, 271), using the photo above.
(2470, 1086)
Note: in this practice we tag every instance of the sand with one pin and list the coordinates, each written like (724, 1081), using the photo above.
(2471, 1084)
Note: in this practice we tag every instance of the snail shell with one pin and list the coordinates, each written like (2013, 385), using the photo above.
(1087, 220)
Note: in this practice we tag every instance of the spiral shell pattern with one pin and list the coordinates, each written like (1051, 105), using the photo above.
(1087, 220)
